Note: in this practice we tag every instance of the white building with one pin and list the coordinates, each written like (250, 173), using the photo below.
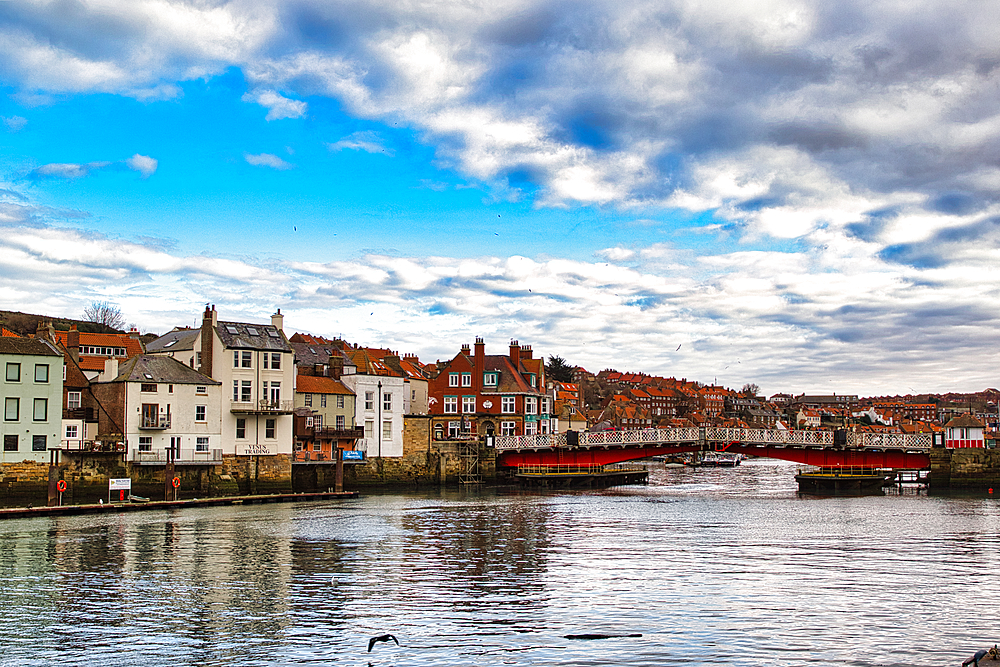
(379, 399)
(164, 405)
(256, 367)
(32, 399)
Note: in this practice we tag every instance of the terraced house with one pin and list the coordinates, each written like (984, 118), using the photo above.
(477, 394)
(32, 398)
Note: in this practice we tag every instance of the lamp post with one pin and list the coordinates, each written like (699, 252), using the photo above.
(378, 428)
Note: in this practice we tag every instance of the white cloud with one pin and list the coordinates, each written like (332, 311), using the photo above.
(14, 123)
(143, 164)
(365, 140)
(278, 107)
(267, 160)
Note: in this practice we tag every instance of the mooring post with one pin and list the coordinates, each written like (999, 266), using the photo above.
(168, 475)
(53, 498)
(339, 484)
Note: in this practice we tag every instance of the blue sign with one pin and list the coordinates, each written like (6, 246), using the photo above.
(353, 455)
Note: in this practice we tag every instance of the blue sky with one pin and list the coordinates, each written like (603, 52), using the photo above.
(783, 192)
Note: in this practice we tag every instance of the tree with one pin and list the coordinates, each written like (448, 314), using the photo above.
(557, 369)
(106, 313)
(750, 389)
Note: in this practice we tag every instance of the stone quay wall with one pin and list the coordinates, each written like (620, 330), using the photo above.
(966, 469)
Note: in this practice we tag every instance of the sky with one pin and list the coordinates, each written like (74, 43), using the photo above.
(799, 194)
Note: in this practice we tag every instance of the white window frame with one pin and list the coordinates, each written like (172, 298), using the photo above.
(508, 428)
(466, 379)
(74, 399)
(453, 379)
(530, 405)
(468, 405)
(451, 405)
(508, 405)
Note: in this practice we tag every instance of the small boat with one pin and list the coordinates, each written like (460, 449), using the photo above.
(721, 459)
(137, 499)
(833, 480)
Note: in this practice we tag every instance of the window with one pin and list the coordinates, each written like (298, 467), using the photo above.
(39, 442)
(10, 443)
(309, 422)
(309, 400)
(148, 388)
(201, 390)
(322, 400)
(145, 443)
(454, 429)
(341, 422)
(489, 379)
(236, 359)
(543, 426)
(507, 405)
(270, 428)
(73, 399)
(545, 406)
(452, 379)
(40, 412)
(246, 391)
(236, 390)
(530, 405)
(13, 372)
(531, 379)
(466, 379)
(340, 401)
(468, 404)
(266, 357)
(275, 393)
(318, 421)
(369, 400)
(387, 401)
(241, 429)
(530, 428)
(201, 444)
(507, 428)
(41, 372)
(72, 431)
(275, 361)
(246, 360)
(369, 428)
(387, 430)
(450, 405)
(200, 413)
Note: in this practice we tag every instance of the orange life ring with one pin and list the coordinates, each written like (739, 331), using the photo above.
(177, 482)
(61, 485)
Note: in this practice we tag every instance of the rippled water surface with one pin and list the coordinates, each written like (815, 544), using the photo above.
(726, 565)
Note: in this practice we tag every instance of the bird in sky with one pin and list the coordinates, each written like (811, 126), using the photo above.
(381, 638)
(678, 347)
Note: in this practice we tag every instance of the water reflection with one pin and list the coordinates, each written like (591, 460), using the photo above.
(730, 566)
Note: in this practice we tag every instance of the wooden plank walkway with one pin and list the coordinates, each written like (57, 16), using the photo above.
(111, 508)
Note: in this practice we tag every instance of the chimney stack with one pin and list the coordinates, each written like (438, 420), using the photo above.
(278, 321)
(209, 321)
(110, 370)
(73, 343)
(515, 354)
(480, 362)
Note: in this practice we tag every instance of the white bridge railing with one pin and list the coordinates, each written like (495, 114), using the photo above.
(713, 434)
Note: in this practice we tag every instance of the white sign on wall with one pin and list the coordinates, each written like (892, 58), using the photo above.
(254, 450)
(120, 484)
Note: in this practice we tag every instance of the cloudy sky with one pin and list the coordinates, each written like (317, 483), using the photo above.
(799, 194)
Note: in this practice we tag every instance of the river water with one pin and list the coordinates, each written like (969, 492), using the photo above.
(729, 566)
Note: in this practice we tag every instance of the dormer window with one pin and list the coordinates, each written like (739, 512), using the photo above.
(490, 379)
(531, 379)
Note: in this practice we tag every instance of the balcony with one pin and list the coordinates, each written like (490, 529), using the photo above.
(91, 446)
(332, 433)
(151, 423)
(184, 457)
(261, 407)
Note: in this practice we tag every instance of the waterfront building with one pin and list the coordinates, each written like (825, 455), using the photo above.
(379, 392)
(325, 414)
(91, 350)
(155, 403)
(477, 394)
(32, 398)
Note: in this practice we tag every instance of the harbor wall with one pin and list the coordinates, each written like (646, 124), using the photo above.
(966, 469)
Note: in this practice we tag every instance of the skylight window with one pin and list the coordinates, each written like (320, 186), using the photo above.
(147, 376)
(273, 333)
(174, 341)
(231, 329)
(252, 331)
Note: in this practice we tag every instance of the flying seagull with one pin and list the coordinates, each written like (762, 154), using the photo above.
(678, 347)
(381, 638)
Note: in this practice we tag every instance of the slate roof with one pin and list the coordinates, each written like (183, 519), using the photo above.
(244, 336)
(159, 368)
(965, 421)
(312, 353)
(178, 339)
(32, 346)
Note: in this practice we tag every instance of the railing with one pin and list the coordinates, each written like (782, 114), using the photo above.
(261, 406)
(579, 469)
(155, 423)
(339, 433)
(92, 446)
(209, 457)
(303, 457)
(715, 434)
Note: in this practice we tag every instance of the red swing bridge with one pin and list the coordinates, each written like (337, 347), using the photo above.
(826, 449)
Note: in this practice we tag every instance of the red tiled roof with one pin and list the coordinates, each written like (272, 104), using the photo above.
(310, 384)
(7, 333)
